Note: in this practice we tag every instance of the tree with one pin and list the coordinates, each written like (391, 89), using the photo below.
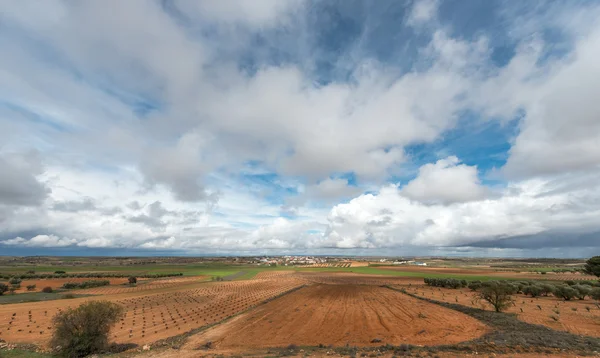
(533, 290)
(595, 293)
(582, 291)
(47, 289)
(84, 330)
(565, 292)
(499, 295)
(3, 288)
(132, 280)
(592, 266)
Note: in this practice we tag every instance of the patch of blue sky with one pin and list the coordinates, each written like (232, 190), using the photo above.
(25, 113)
(42, 50)
(484, 143)
(270, 186)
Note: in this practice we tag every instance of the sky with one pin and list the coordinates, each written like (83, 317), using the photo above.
(263, 127)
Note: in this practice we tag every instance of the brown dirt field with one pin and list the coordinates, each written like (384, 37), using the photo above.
(340, 315)
(573, 316)
(141, 286)
(493, 272)
(187, 353)
(349, 278)
(150, 315)
(58, 282)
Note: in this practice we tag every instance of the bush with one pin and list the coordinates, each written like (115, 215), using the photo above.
(3, 288)
(47, 289)
(85, 284)
(595, 293)
(30, 287)
(547, 289)
(592, 266)
(59, 272)
(565, 292)
(132, 280)
(498, 294)
(533, 290)
(15, 281)
(474, 285)
(582, 291)
(84, 330)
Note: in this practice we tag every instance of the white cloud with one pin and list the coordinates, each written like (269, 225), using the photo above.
(162, 106)
(423, 11)
(40, 241)
(258, 13)
(446, 181)
(388, 219)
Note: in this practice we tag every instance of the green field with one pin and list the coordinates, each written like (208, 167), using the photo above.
(217, 269)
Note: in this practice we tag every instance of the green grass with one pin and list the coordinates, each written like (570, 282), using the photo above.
(19, 353)
(31, 297)
(218, 269)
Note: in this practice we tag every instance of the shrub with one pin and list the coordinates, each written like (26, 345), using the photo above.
(84, 330)
(132, 280)
(47, 289)
(59, 272)
(547, 289)
(498, 294)
(70, 285)
(592, 266)
(533, 290)
(30, 287)
(3, 288)
(595, 293)
(15, 281)
(474, 285)
(31, 272)
(565, 292)
(582, 291)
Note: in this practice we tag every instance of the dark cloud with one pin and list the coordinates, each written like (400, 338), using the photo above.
(18, 182)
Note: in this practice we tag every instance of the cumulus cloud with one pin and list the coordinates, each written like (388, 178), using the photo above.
(530, 208)
(40, 241)
(445, 181)
(146, 115)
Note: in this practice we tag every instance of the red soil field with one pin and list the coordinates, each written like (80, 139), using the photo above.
(150, 315)
(348, 278)
(575, 316)
(340, 315)
(142, 286)
(58, 282)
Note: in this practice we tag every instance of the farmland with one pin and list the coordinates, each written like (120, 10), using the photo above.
(229, 308)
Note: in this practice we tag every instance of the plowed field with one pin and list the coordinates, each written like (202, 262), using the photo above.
(340, 315)
(575, 316)
(150, 315)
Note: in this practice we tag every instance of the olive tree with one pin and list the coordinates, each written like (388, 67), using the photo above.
(498, 294)
(84, 330)
(592, 266)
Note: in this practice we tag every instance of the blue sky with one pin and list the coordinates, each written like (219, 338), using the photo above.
(342, 127)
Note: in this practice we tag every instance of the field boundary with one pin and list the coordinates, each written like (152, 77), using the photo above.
(177, 341)
(511, 335)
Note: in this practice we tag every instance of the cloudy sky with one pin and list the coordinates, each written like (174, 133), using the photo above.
(450, 127)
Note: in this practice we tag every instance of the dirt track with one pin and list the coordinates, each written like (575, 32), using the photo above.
(340, 315)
